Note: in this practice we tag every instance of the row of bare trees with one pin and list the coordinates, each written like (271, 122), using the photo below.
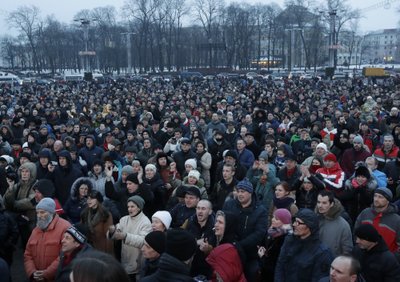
(174, 35)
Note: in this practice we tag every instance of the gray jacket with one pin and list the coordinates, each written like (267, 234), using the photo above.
(335, 231)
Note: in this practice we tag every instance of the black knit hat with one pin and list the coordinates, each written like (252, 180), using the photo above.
(132, 178)
(45, 187)
(232, 154)
(363, 171)
(367, 232)
(156, 240)
(79, 232)
(180, 244)
(310, 219)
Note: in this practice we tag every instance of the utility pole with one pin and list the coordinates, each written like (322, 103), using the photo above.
(85, 23)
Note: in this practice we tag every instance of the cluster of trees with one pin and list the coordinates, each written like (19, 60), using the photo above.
(176, 34)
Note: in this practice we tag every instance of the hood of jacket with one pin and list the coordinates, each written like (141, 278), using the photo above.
(77, 183)
(32, 169)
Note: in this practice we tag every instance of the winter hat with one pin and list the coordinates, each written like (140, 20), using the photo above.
(128, 169)
(362, 171)
(79, 232)
(283, 215)
(47, 204)
(164, 216)
(180, 244)
(132, 178)
(231, 153)
(194, 173)
(192, 163)
(45, 187)
(358, 139)
(246, 185)
(94, 194)
(310, 219)
(330, 157)
(385, 192)
(7, 159)
(45, 153)
(156, 240)
(185, 140)
(137, 200)
(151, 167)
(263, 155)
(367, 232)
(323, 146)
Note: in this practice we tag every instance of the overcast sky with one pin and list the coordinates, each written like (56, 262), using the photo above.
(64, 10)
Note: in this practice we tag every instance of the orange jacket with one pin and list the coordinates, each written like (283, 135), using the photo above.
(43, 248)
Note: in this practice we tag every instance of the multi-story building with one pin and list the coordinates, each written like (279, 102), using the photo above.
(382, 46)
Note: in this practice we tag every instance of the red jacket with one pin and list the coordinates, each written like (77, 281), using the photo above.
(43, 248)
(384, 157)
(333, 178)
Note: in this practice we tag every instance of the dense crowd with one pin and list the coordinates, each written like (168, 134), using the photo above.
(205, 180)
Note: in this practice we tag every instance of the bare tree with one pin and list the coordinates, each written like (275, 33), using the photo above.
(26, 19)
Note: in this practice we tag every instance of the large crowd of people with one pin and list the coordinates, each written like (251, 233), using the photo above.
(222, 179)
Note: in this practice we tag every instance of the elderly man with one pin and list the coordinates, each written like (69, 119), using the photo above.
(44, 245)
(303, 257)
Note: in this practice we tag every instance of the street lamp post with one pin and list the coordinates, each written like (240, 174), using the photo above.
(85, 23)
(129, 49)
(332, 38)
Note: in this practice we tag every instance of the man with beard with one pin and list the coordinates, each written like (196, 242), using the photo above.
(44, 245)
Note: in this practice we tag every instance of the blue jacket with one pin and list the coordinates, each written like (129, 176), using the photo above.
(246, 158)
(303, 260)
(251, 225)
(91, 154)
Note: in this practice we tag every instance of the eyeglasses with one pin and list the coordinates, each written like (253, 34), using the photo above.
(296, 221)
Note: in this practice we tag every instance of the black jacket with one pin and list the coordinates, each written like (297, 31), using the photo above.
(170, 269)
(378, 264)
(251, 225)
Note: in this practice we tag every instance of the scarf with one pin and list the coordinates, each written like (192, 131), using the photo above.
(356, 185)
(275, 232)
(283, 203)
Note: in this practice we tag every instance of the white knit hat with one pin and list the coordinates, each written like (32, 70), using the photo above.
(165, 218)
(323, 146)
(194, 173)
(192, 163)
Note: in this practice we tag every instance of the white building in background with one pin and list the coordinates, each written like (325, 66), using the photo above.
(381, 46)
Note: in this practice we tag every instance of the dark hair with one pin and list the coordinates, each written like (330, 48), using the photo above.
(95, 266)
(329, 194)
(284, 185)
